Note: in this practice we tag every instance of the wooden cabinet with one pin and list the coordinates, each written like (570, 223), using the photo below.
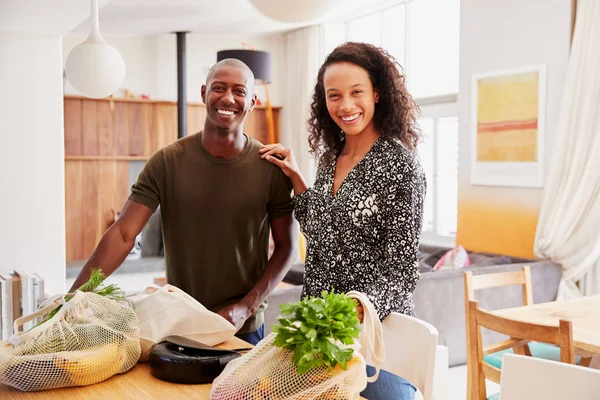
(101, 138)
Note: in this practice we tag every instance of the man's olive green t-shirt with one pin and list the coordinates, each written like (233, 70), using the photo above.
(216, 218)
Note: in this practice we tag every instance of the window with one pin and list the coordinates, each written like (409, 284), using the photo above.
(393, 33)
(365, 29)
(426, 155)
(439, 157)
(432, 47)
(334, 35)
(423, 36)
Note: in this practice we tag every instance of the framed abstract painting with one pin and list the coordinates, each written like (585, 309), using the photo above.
(507, 127)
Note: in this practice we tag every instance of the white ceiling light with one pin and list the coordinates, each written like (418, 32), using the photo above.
(94, 68)
(295, 11)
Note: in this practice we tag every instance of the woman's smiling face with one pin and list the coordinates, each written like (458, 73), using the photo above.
(350, 97)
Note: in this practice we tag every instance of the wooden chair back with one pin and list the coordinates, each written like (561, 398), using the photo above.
(520, 334)
(484, 281)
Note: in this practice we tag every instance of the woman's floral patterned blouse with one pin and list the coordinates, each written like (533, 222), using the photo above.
(366, 237)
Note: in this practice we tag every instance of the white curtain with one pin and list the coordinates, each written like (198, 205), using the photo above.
(303, 57)
(568, 230)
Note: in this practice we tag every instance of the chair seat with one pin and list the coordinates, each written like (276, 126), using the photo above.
(538, 350)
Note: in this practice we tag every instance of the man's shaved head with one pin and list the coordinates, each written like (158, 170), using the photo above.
(228, 95)
(232, 62)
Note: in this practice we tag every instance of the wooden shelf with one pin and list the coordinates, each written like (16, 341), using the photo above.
(106, 158)
(102, 138)
(144, 101)
(120, 100)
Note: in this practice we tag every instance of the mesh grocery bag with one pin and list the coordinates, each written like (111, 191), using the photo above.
(88, 340)
(267, 372)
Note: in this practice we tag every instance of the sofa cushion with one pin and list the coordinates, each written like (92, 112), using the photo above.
(424, 267)
(482, 259)
(430, 257)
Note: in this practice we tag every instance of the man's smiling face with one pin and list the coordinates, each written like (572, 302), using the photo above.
(229, 96)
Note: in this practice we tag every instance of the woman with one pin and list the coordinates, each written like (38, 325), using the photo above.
(362, 217)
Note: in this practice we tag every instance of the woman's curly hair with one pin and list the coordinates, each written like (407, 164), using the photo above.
(395, 113)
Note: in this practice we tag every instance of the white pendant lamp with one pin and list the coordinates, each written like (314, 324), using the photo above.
(94, 68)
(295, 11)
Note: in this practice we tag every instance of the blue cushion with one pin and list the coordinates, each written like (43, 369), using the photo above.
(494, 397)
(538, 350)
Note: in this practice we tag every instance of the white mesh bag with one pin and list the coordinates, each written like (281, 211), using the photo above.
(88, 340)
(268, 372)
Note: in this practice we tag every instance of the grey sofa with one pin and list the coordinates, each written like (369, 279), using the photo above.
(439, 297)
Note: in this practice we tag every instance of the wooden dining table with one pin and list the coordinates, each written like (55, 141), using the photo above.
(137, 383)
(584, 314)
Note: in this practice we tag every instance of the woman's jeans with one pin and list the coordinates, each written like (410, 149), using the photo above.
(388, 387)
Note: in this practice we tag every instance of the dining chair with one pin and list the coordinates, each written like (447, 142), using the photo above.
(473, 283)
(412, 353)
(520, 333)
(525, 378)
(485, 281)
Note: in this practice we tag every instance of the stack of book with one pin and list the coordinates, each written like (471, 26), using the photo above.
(21, 293)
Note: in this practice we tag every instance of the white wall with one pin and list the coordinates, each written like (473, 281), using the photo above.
(151, 62)
(32, 225)
(497, 35)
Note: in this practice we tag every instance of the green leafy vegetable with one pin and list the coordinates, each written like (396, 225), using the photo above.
(94, 285)
(319, 331)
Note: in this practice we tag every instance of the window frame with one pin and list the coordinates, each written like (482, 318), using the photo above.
(440, 106)
(437, 107)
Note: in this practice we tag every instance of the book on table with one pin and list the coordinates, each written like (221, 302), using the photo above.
(21, 294)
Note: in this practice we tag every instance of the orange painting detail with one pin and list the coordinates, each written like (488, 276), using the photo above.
(507, 118)
(506, 126)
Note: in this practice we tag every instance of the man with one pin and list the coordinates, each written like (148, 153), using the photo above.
(218, 200)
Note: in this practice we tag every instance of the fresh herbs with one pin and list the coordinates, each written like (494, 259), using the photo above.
(94, 285)
(320, 331)
(111, 291)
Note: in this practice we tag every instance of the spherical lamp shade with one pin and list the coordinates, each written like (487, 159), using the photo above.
(259, 62)
(94, 68)
(295, 11)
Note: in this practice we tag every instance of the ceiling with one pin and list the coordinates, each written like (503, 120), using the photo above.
(44, 17)
(151, 17)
